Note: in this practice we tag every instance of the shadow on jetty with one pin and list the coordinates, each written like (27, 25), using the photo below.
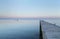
(41, 34)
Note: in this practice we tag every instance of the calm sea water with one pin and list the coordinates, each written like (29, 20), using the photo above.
(22, 29)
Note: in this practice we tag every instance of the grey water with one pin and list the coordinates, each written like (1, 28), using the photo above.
(21, 29)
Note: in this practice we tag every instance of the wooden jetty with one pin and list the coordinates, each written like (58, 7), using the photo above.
(49, 31)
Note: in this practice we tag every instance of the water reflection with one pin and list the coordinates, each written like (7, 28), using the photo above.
(23, 29)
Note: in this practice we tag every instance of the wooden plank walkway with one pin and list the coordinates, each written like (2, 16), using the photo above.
(50, 31)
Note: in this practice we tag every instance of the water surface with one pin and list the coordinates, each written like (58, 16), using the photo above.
(21, 29)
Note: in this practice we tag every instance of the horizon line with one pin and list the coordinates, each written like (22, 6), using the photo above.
(29, 17)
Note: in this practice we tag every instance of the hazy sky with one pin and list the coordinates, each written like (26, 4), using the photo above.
(29, 8)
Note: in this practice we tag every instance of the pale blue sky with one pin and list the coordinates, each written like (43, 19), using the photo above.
(30, 8)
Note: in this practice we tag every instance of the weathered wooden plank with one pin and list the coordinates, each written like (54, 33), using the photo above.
(51, 31)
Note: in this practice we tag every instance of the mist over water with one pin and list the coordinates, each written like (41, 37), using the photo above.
(22, 29)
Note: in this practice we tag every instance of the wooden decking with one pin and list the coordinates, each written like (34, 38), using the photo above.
(50, 31)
